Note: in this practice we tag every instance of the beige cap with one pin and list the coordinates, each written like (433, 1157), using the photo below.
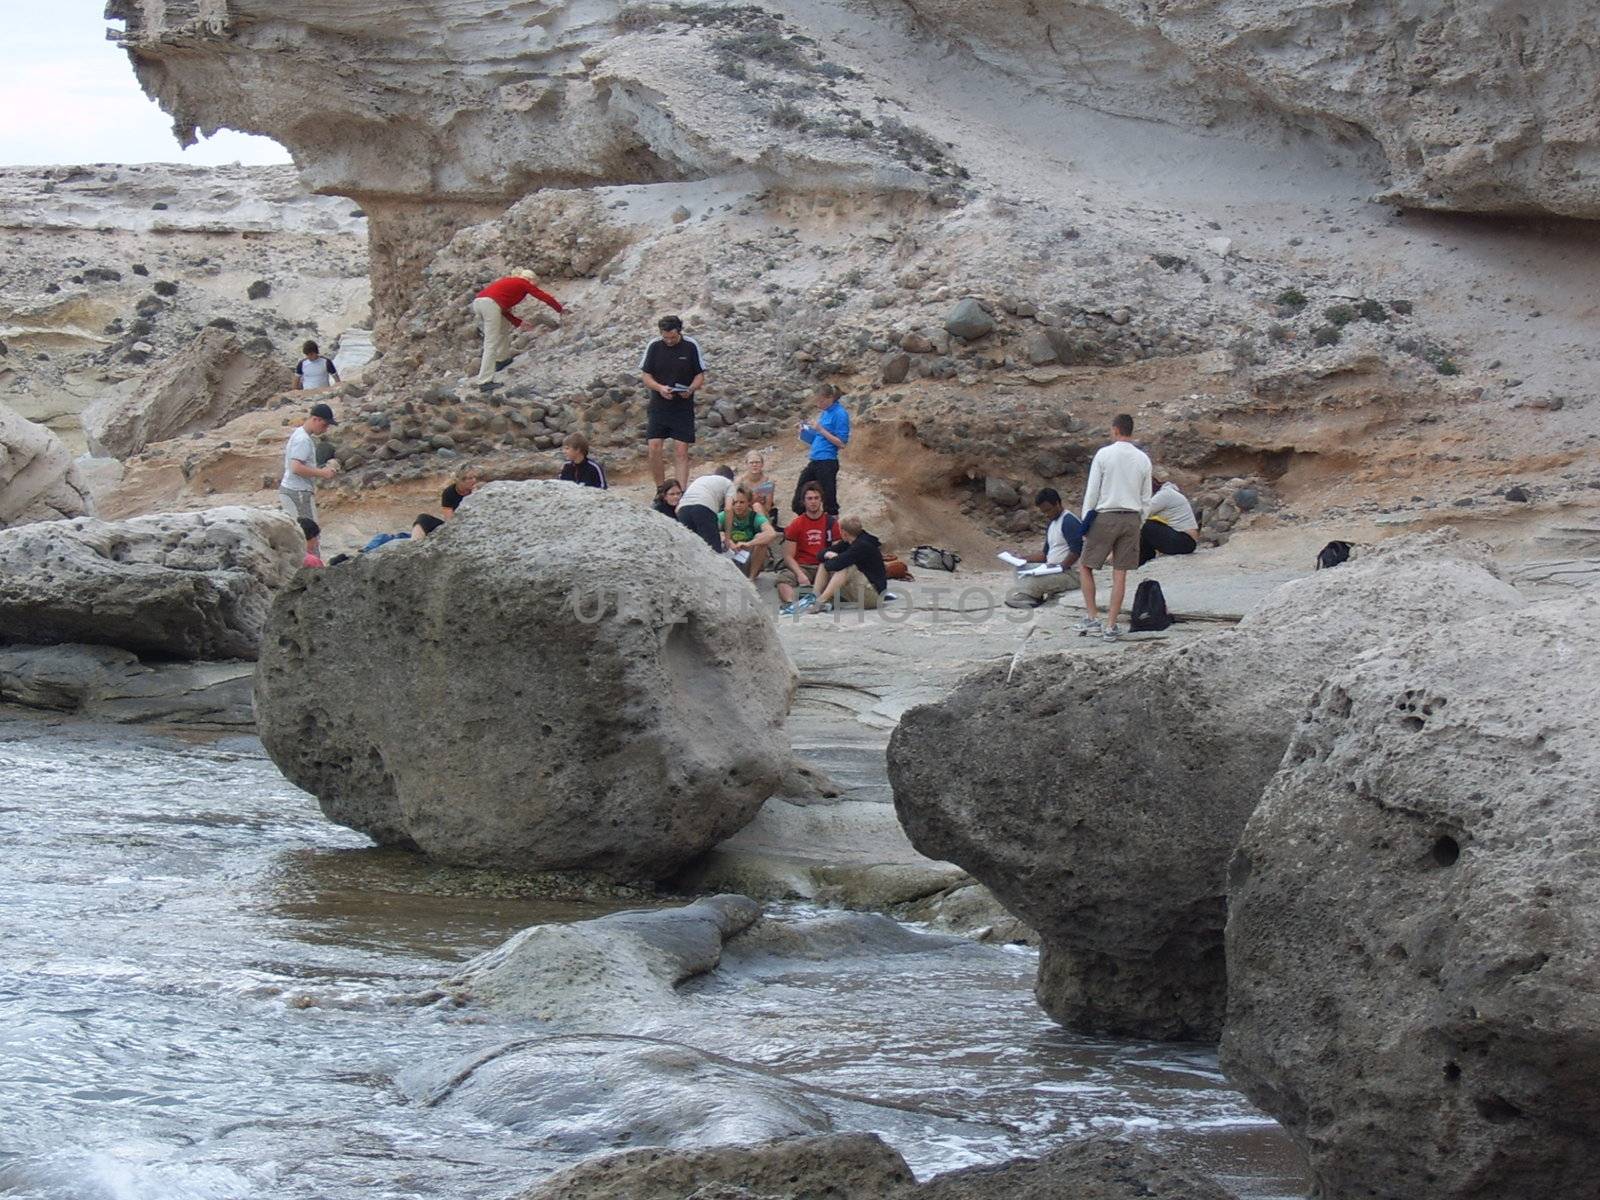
(526, 274)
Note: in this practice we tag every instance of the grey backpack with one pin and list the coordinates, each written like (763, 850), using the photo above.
(934, 559)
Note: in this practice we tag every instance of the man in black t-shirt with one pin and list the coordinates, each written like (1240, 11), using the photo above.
(673, 371)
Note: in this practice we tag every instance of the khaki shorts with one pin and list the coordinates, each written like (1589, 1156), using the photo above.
(786, 575)
(856, 590)
(1114, 535)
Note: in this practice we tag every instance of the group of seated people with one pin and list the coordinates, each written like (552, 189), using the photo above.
(738, 516)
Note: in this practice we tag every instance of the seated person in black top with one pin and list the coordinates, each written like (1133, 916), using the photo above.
(579, 467)
(667, 497)
(466, 482)
(856, 573)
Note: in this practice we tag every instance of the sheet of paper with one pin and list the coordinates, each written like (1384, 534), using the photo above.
(1006, 556)
(1041, 569)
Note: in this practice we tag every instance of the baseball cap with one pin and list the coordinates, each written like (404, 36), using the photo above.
(323, 411)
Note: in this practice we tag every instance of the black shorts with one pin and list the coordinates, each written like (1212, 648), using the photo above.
(670, 419)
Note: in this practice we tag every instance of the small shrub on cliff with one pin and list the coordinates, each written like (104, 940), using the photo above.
(1403, 307)
(1339, 314)
(1326, 335)
(786, 116)
(1372, 311)
(1292, 298)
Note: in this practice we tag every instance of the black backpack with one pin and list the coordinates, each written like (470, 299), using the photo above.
(1149, 608)
(1333, 554)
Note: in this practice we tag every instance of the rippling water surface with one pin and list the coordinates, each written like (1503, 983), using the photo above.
(207, 992)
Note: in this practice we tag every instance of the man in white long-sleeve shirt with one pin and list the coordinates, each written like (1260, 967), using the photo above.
(1119, 496)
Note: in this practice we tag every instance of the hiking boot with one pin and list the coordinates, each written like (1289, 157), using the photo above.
(1111, 634)
(787, 610)
(805, 602)
(1089, 625)
(821, 608)
(502, 364)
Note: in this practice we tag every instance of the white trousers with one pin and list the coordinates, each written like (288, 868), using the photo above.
(496, 331)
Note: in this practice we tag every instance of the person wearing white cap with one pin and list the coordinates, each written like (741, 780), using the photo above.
(491, 309)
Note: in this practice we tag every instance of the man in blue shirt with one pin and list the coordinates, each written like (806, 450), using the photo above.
(826, 435)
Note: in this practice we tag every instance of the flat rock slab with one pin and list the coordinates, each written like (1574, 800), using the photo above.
(192, 585)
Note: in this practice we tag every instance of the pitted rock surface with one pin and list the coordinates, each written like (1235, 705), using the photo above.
(558, 679)
(1412, 936)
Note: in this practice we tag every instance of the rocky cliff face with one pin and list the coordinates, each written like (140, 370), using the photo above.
(1163, 209)
(110, 271)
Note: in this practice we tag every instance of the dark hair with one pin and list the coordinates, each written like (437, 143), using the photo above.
(1157, 483)
(813, 486)
(576, 441)
(310, 528)
(1047, 496)
(828, 390)
(725, 471)
(669, 322)
(428, 521)
(661, 492)
(1123, 424)
(310, 348)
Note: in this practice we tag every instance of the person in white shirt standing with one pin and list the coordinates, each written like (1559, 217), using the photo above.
(1118, 494)
(297, 491)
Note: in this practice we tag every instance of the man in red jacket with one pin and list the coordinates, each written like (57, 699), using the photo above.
(492, 310)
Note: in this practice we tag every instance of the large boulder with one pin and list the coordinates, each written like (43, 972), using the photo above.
(1414, 927)
(568, 682)
(39, 480)
(859, 1166)
(1100, 797)
(208, 383)
(181, 585)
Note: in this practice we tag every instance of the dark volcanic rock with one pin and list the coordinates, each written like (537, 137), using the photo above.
(1414, 938)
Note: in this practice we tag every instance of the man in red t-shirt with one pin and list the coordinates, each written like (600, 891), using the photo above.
(492, 311)
(804, 540)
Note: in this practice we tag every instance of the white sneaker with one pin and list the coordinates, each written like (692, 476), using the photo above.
(1088, 625)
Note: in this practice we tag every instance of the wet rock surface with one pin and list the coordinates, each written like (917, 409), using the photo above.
(601, 693)
(1411, 955)
(1101, 798)
(862, 1167)
(186, 585)
(609, 966)
(111, 684)
(655, 1093)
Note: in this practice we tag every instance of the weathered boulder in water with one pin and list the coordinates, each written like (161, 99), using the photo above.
(582, 1094)
(556, 680)
(859, 1166)
(1414, 928)
(193, 585)
(39, 479)
(209, 382)
(1100, 798)
(836, 1166)
(620, 963)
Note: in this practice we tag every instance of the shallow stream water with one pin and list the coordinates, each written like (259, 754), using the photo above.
(208, 992)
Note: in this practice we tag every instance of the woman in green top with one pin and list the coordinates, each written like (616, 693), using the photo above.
(748, 530)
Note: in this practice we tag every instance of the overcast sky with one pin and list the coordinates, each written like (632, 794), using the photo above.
(69, 96)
